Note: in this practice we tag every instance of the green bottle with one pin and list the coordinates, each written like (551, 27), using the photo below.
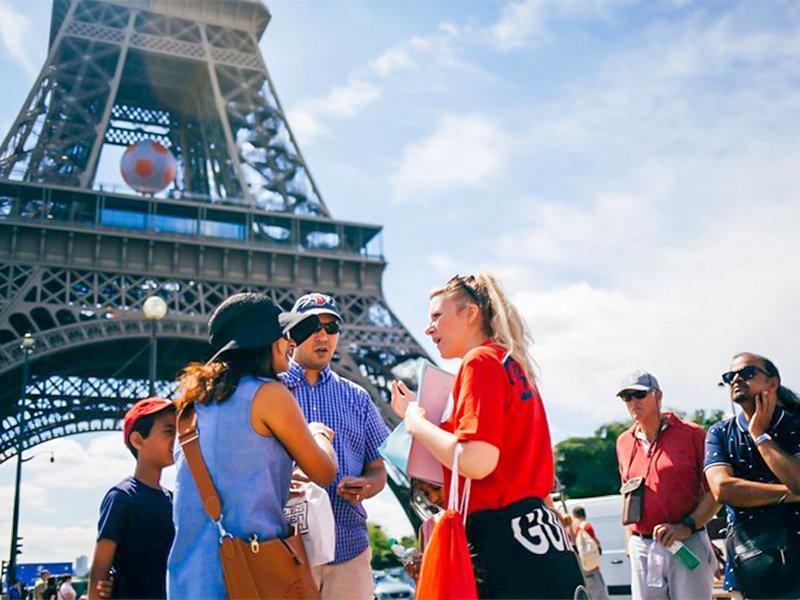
(685, 556)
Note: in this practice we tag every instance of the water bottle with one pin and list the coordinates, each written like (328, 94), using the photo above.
(685, 556)
(406, 556)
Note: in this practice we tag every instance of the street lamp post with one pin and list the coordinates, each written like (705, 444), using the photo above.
(155, 309)
(27, 345)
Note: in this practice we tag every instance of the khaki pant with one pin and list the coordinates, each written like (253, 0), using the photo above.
(347, 580)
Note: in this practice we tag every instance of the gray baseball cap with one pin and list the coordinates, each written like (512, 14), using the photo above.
(638, 380)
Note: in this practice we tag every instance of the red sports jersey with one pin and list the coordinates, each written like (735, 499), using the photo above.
(495, 403)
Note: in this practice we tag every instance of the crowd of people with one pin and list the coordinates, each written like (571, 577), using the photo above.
(46, 587)
(271, 415)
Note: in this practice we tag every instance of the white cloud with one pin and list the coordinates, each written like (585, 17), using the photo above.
(15, 29)
(427, 59)
(341, 102)
(465, 151)
(520, 24)
(385, 510)
(394, 59)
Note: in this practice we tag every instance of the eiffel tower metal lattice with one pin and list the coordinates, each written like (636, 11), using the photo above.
(78, 259)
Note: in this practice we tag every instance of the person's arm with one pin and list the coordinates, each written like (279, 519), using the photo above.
(706, 508)
(478, 459)
(371, 482)
(785, 466)
(100, 583)
(373, 474)
(743, 493)
(309, 445)
(479, 418)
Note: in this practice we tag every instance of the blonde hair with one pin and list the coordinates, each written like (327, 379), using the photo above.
(500, 319)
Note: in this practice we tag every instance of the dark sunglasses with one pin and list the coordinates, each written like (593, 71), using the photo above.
(332, 328)
(746, 373)
(308, 327)
(638, 394)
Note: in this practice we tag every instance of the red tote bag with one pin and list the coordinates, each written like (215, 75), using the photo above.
(446, 565)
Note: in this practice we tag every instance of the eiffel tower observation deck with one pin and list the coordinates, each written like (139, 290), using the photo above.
(78, 258)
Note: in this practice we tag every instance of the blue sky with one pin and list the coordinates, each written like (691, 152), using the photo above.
(628, 168)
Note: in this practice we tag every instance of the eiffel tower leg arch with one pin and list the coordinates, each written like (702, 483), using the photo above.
(243, 213)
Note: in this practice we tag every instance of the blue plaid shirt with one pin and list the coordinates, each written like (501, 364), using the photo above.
(359, 430)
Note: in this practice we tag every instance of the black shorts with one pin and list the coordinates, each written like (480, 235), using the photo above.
(521, 551)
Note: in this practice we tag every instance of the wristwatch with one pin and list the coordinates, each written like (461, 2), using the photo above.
(690, 523)
(764, 437)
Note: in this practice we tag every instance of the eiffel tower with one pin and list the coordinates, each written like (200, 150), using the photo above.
(78, 258)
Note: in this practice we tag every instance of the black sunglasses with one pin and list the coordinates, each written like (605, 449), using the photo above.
(627, 396)
(746, 373)
(331, 328)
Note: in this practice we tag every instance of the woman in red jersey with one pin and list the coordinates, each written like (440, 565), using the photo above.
(519, 547)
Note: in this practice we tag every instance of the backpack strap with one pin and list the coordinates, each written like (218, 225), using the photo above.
(190, 443)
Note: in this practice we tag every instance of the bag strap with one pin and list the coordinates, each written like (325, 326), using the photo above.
(189, 440)
(452, 502)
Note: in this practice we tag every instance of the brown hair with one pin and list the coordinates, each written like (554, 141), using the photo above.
(217, 380)
(500, 319)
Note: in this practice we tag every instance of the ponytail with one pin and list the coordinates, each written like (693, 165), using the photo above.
(217, 380)
(500, 319)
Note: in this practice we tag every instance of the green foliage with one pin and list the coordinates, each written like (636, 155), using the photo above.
(701, 417)
(382, 555)
(587, 466)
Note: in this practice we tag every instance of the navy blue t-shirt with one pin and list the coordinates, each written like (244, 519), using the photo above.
(139, 519)
(729, 443)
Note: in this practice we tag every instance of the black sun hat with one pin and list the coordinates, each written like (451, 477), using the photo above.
(250, 320)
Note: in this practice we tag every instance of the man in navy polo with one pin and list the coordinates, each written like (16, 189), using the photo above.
(346, 408)
(752, 461)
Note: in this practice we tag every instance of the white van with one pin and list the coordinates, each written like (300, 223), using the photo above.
(605, 515)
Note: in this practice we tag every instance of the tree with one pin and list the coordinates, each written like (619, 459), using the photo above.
(703, 418)
(587, 466)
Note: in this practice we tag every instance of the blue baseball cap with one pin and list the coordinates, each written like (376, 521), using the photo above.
(316, 304)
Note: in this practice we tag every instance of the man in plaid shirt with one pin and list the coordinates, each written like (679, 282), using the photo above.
(359, 430)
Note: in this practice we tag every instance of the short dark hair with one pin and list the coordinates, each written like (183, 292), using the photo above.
(143, 427)
(579, 512)
(786, 397)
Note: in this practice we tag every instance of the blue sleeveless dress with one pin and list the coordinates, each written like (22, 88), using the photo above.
(252, 474)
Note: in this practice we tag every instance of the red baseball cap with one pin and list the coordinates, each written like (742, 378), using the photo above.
(148, 406)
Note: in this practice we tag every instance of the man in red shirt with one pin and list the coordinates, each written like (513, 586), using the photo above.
(661, 462)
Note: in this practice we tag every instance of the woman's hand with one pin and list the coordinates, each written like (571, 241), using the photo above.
(415, 416)
(401, 396)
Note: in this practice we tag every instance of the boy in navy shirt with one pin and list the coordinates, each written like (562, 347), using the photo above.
(135, 530)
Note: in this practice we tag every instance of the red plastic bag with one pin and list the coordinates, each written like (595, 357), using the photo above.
(446, 565)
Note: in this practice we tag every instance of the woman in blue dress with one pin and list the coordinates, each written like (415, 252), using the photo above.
(252, 432)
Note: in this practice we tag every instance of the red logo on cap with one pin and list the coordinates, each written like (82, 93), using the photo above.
(319, 300)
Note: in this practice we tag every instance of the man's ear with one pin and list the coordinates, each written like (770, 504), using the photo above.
(659, 395)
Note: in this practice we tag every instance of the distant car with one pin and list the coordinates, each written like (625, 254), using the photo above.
(387, 587)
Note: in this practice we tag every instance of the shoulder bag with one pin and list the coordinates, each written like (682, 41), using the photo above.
(765, 555)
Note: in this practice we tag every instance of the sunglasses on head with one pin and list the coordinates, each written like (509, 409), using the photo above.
(629, 395)
(746, 373)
